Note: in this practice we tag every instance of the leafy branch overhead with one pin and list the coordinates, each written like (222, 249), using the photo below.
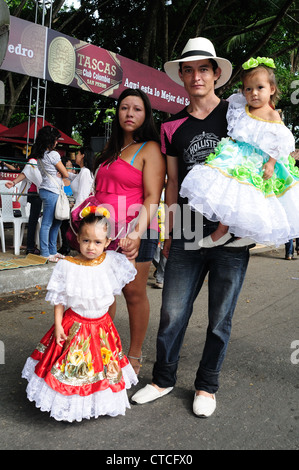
(152, 32)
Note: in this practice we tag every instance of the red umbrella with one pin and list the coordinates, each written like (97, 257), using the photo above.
(18, 134)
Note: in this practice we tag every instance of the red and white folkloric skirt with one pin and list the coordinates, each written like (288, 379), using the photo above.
(87, 377)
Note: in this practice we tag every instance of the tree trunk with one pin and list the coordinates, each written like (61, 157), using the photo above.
(153, 9)
(14, 97)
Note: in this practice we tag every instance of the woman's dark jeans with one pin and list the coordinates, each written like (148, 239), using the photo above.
(35, 209)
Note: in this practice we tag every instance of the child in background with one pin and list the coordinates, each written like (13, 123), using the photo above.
(79, 370)
(250, 184)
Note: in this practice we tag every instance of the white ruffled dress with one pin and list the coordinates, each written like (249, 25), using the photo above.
(230, 187)
(87, 376)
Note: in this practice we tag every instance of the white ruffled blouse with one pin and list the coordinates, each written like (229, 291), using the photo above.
(82, 185)
(272, 137)
(89, 287)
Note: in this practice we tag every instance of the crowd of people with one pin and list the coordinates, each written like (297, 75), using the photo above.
(235, 189)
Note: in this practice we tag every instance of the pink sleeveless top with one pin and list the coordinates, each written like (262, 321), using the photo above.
(119, 186)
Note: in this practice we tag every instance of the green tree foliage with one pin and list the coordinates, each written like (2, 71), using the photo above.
(153, 31)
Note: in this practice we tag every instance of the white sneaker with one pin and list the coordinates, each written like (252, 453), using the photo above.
(59, 256)
(149, 393)
(204, 406)
(52, 258)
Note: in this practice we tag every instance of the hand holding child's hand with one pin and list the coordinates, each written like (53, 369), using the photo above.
(60, 335)
(124, 243)
(129, 247)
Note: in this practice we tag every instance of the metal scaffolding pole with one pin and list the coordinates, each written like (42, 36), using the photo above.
(38, 87)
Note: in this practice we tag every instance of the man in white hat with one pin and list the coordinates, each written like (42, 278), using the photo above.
(187, 139)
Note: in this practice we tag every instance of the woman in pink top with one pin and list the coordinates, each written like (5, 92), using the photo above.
(129, 179)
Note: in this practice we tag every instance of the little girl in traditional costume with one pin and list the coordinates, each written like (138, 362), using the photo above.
(250, 184)
(79, 370)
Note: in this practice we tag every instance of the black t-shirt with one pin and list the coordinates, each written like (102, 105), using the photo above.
(191, 140)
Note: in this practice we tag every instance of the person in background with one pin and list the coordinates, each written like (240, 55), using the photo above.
(289, 249)
(159, 260)
(83, 183)
(66, 181)
(65, 249)
(49, 163)
(8, 166)
(80, 186)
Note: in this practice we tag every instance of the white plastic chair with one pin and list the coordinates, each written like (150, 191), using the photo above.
(7, 216)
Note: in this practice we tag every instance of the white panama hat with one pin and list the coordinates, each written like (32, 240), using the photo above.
(199, 49)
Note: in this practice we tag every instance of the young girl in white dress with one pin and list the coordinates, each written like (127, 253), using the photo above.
(250, 184)
(79, 370)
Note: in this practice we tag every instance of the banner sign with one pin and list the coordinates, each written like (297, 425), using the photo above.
(26, 50)
(41, 52)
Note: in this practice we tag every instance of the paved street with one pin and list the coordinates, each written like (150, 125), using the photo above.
(257, 402)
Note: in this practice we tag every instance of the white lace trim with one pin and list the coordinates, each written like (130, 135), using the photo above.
(273, 138)
(220, 198)
(90, 288)
(76, 407)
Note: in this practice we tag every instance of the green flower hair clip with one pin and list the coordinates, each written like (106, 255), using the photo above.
(252, 63)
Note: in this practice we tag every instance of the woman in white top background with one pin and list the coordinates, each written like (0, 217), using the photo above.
(81, 187)
(49, 163)
(82, 184)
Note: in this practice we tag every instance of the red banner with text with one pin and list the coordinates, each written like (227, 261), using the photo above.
(41, 52)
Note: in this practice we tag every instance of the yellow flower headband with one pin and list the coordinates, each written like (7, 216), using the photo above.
(97, 210)
(252, 63)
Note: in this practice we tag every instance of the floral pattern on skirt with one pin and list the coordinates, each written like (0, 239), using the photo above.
(90, 360)
(86, 377)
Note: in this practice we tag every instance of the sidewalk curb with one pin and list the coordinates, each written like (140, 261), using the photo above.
(24, 278)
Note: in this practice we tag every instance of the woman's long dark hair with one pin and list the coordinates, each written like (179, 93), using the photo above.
(45, 140)
(88, 157)
(147, 131)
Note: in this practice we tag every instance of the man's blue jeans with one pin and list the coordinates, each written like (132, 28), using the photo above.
(184, 275)
(50, 226)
